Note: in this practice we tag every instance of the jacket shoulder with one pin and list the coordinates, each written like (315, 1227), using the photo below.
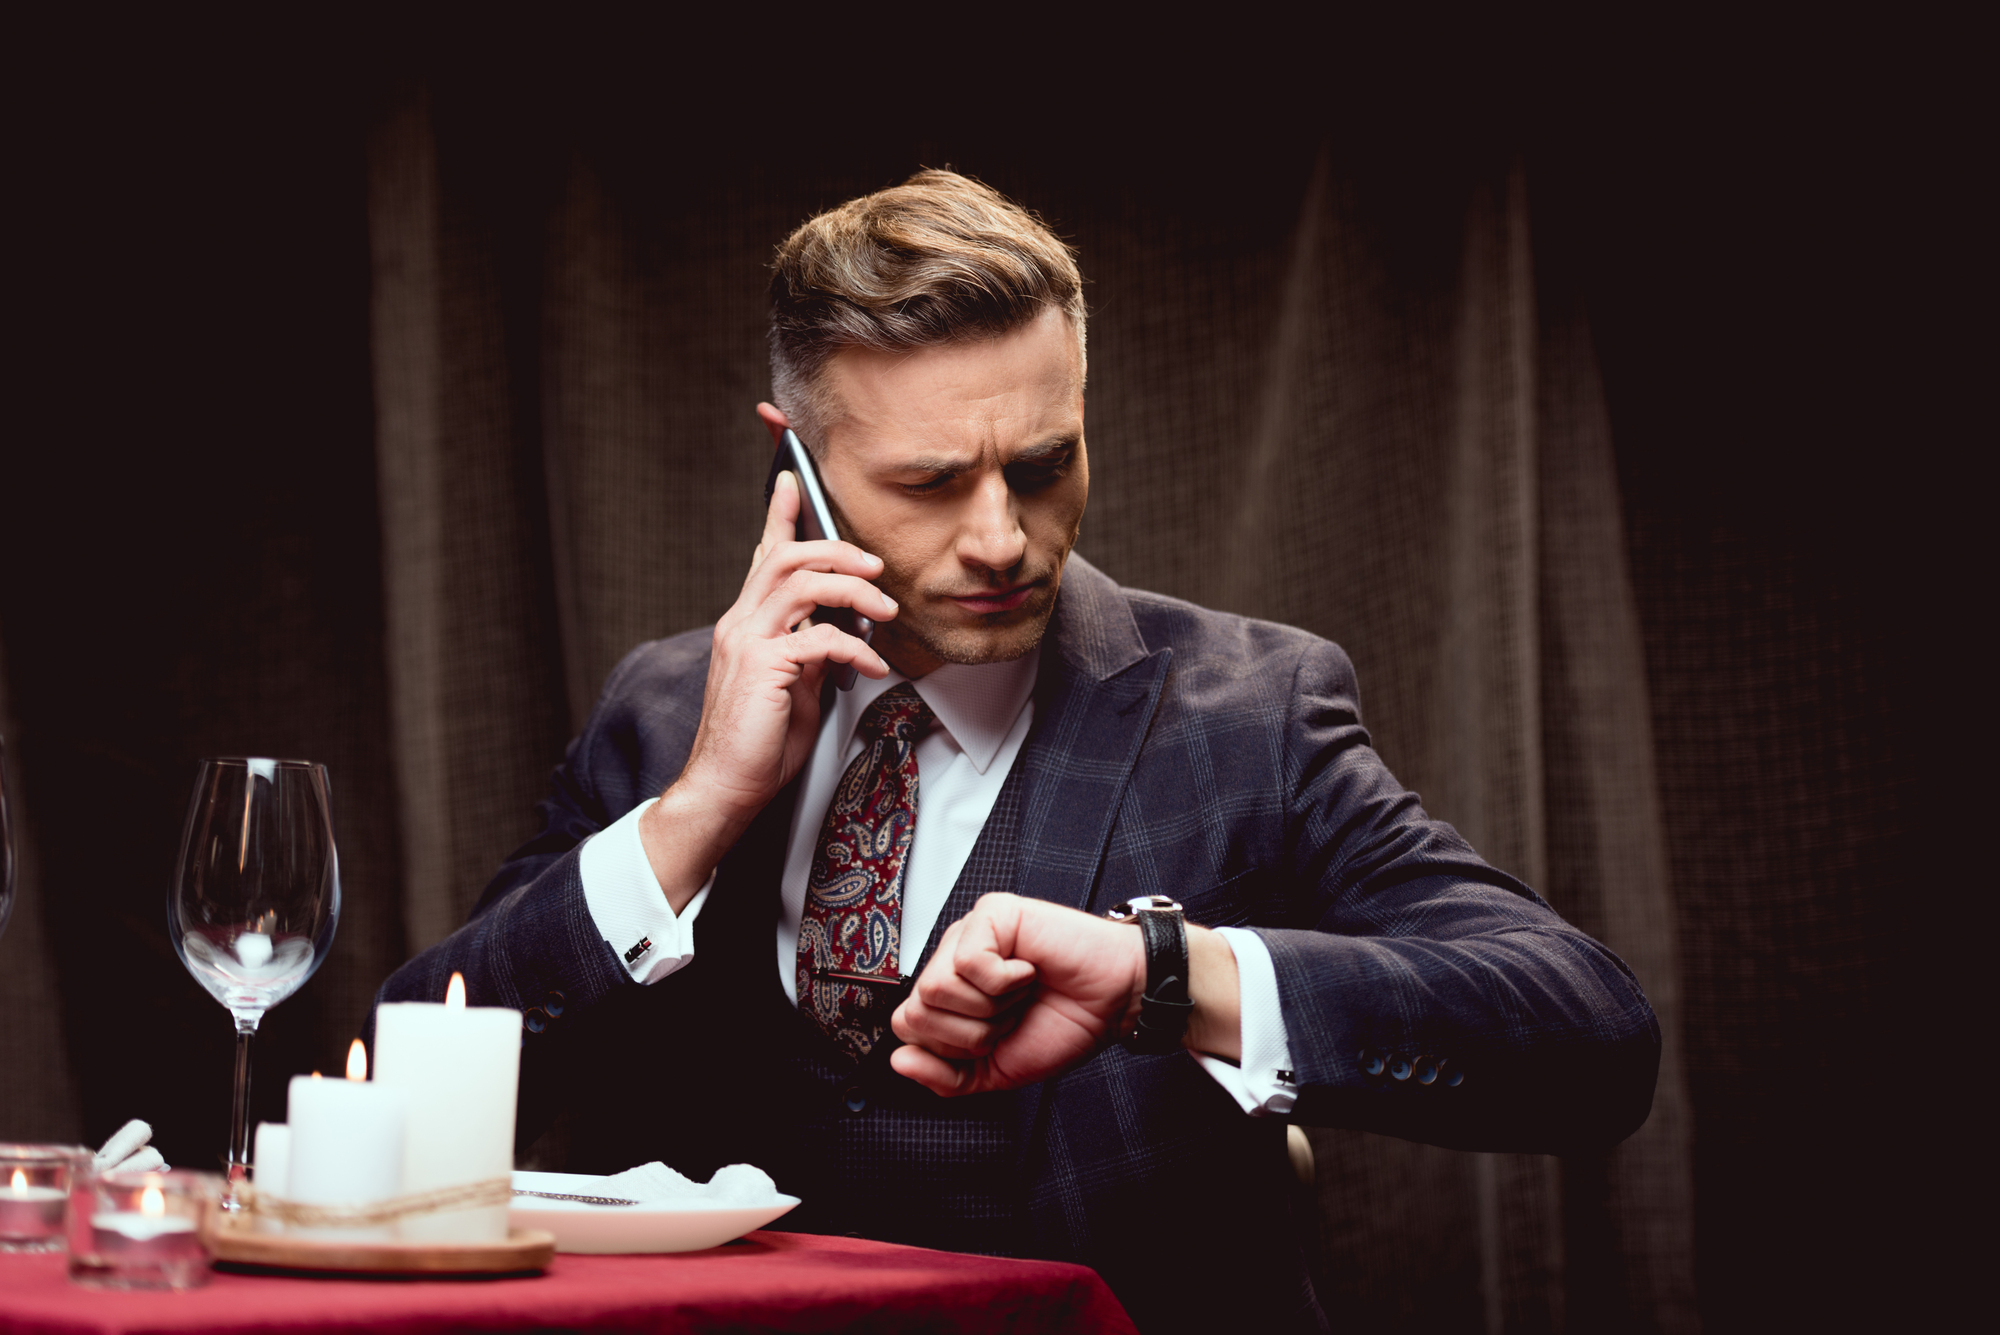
(644, 723)
(1229, 647)
(660, 667)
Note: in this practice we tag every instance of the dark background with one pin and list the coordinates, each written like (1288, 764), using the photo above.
(1774, 234)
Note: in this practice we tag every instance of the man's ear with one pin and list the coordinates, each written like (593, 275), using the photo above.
(774, 418)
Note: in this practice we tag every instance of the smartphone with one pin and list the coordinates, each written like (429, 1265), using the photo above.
(816, 521)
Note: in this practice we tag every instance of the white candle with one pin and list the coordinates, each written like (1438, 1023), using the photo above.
(274, 1152)
(347, 1139)
(151, 1234)
(140, 1230)
(461, 1066)
(268, 1167)
(30, 1213)
(136, 1227)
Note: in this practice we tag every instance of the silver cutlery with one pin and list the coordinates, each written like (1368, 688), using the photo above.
(564, 1196)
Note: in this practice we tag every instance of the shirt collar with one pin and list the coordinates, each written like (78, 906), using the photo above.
(977, 703)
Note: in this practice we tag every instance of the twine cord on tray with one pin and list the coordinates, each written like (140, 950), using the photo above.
(297, 1214)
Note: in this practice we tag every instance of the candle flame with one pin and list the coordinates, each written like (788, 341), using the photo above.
(357, 1061)
(20, 1182)
(454, 994)
(152, 1202)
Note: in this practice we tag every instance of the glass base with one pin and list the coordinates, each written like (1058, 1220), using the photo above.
(54, 1242)
(191, 1273)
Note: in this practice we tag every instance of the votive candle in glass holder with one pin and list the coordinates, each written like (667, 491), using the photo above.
(34, 1194)
(142, 1230)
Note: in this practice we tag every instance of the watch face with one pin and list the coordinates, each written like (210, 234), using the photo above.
(1138, 904)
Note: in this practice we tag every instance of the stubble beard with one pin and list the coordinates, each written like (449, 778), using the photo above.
(1005, 636)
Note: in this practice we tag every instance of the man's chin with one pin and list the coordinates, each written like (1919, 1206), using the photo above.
(993, 637)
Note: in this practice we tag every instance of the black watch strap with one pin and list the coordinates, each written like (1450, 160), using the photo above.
(1165, 1006)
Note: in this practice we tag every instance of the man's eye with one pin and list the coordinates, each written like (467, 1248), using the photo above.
(1033, 477)
(938, 483)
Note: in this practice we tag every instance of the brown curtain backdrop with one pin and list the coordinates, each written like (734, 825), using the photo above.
(38, 1093)
(381, 404)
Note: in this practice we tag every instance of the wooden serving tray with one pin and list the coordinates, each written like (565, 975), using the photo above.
(238, 1243)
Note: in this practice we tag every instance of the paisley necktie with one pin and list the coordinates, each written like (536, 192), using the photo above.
(853, 919)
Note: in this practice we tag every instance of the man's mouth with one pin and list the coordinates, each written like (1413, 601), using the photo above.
(996, 600)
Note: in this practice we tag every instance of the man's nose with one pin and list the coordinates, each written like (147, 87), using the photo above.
(991, 534)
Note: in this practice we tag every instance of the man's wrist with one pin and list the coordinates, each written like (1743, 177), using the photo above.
(1208, 999)
(685, 837)
(1135, 947)
(1215, 1026)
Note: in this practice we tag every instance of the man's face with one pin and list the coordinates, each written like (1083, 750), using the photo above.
(963, 468)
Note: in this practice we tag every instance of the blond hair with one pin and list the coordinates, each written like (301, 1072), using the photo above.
(938, 259)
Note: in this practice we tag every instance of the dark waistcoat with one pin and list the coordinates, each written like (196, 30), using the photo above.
(732, 1072)
(885, 1158)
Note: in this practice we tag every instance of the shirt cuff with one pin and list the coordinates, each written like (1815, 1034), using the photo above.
(1262, 1083)
(626, 903)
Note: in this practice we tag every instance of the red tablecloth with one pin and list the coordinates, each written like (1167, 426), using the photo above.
(768, 1281)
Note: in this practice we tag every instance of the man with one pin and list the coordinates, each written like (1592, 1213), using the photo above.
(740, 864)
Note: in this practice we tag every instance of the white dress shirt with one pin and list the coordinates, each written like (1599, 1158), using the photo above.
(983, 715)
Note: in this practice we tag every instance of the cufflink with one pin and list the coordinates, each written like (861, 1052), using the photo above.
(640, 947)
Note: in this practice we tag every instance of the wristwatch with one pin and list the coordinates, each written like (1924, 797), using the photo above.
(1165, 1006)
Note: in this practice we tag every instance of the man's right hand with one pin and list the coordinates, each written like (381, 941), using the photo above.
(760, 713)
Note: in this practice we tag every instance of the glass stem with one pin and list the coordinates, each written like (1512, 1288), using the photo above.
(239, 1114)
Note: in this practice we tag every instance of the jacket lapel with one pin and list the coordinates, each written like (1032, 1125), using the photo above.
(1094, 701)
(1095, 698)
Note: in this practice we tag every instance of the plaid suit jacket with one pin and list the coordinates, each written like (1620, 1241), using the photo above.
(1177, 751)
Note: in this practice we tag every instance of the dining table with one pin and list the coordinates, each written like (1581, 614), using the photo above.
(764, 1281)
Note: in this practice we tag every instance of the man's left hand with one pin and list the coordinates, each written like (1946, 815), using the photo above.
(1022, 989)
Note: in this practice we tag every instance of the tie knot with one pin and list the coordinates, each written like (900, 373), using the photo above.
(898, 712)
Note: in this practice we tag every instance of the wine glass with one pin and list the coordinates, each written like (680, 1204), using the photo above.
(256, 898)
(6, 847)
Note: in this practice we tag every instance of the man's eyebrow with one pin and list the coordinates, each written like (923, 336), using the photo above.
(932, 463)
(1032, 454)
(1048, 449)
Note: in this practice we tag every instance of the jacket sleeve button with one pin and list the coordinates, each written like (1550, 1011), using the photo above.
(553, 1004)
(1426, 1071)
(534, 1019)
(1371, 1062)
(1399, 1068)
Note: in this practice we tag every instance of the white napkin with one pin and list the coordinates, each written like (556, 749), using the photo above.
(128, 1152)
(656, 1184)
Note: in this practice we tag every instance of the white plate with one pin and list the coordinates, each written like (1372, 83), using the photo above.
(605, 1229)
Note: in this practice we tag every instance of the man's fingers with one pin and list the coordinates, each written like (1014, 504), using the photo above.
(987, 971)
(812, 646)
(943, 990)
(792, 599)
(781, 516)
(780, 564)
(780, 537)
(931, 1071)
(947, 944)
(948, 1033)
